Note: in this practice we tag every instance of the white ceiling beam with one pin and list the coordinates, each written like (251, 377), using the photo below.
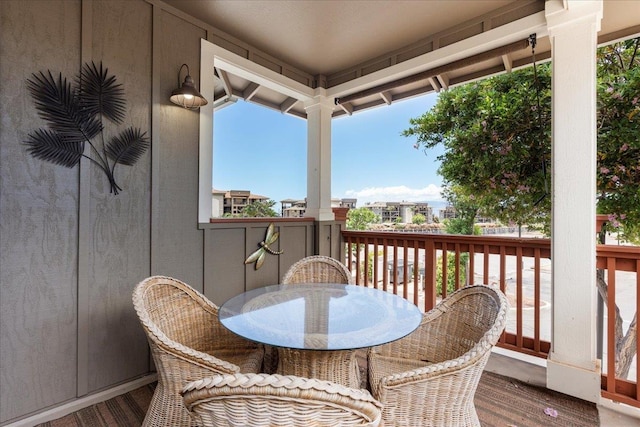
(435, 84)
(287, 105)
(250, 91)
(443, 79)
(224, 102)
(224, 79)
(236, 65)
(508, 62)
(386, 97)
(348, 108)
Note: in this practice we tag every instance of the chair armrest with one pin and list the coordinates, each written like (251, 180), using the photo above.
(435, 370)
(200, 358)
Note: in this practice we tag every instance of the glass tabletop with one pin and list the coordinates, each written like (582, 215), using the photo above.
(320, 316)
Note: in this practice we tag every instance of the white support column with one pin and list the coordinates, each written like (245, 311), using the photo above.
(319, 158)
(572, 367)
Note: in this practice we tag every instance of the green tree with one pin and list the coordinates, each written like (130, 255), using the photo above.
(256, 209)
(466, 210)
(496, 136)
(418, 219)
(618, 179)
(496, 150)
(360, 218)
(463, 223)
(619, 137)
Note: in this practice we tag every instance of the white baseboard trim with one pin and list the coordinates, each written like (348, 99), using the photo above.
(619, 408)
(82, 402)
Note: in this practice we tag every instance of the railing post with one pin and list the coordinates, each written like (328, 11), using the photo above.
(602, 239)
(430, 275)
(599, 317)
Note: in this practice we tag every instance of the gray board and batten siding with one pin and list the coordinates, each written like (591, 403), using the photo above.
(71, 252)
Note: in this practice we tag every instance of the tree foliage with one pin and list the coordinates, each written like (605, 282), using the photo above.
(619, 137)
(360, 218)
(496, 153)
(418, 219)
(256, 209)
(466, 208)
(496, 135)
(463, 223)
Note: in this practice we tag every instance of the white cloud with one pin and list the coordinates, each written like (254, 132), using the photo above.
(430, 193)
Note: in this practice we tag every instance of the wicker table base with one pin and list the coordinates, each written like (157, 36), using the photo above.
(339, 366)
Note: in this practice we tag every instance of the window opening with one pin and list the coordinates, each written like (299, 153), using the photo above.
(259, 162)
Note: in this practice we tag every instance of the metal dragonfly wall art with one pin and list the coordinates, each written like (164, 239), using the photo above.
(259, 255)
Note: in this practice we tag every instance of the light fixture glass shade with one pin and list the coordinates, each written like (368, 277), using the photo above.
(187, 95)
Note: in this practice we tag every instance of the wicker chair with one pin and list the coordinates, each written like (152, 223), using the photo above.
(318, 269)
(259, 400)
(187, 343)
(429, 377)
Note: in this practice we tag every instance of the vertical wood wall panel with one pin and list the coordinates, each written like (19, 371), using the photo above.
(297, 243)
(337, 246)
(177, 242)
(38, 216)
(84, 224)
(120, 225)
(149, 228)
(224, 263)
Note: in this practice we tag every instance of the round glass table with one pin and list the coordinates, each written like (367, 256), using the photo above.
(317, 327)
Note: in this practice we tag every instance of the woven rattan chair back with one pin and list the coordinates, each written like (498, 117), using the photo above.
(262, 400)
(187, 343)
(318, 269)
(429, 378)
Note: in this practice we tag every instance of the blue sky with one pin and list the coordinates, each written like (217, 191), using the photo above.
(264, 151)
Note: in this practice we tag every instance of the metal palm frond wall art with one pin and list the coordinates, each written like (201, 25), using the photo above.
(259, 255)
(74, 113)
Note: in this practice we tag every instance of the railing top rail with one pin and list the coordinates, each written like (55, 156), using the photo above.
(618, 251)
(451, 238)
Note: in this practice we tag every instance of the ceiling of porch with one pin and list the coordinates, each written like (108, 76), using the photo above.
(330, 43)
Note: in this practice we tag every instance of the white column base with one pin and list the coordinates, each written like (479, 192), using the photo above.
(574, 381)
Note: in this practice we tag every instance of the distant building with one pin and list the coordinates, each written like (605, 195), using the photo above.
(400, 211)
(423, 208)
(292, 208)
(232, 201)
(450, 213)
(344, 203)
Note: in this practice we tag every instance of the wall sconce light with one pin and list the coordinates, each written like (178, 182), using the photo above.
(187, 95)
